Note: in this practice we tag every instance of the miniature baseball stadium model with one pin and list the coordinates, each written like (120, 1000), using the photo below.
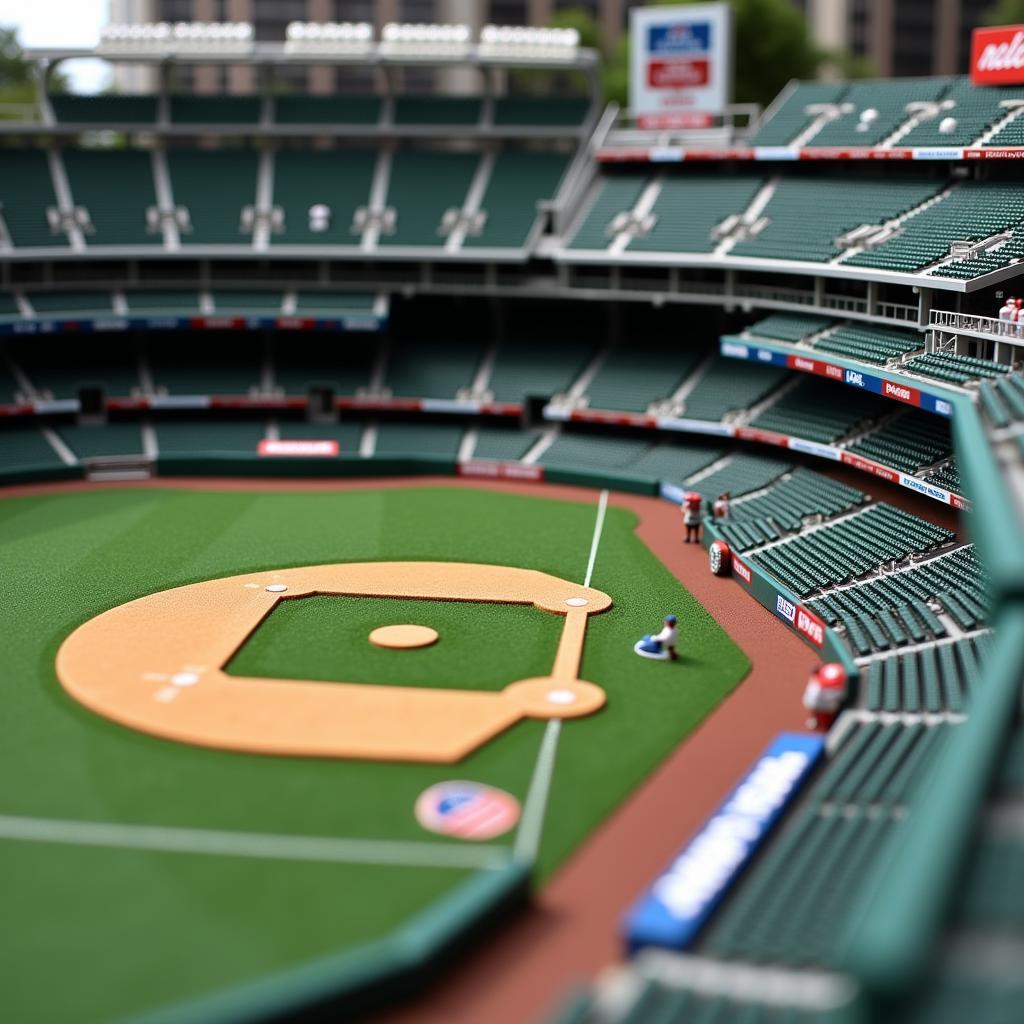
(478, 549)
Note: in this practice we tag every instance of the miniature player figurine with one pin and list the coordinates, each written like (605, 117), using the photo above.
(720, 509)
(824, 696)
(692, 502)
(660, 646)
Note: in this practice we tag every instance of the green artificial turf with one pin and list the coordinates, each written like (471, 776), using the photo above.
(94, 933)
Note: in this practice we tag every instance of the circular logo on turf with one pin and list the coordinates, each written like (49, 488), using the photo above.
(468, 810)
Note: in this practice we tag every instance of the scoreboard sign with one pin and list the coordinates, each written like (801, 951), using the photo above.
(997, 55)
(680, 65)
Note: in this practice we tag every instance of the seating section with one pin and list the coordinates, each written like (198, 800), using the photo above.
(348, 434)
(331, 304)
(806, 215)
(792, 117)
(188, 365)
(116, 110)
(177, 303)
(869, 343)
(908, 442)
(116, 187)
(431, 368)
(205, 436)
(974, 110)
(784, 507)
(24, 448)
(336, 178)
(809, 884)
(728, 385)
(542, 111)
(689, 208)
(971, 212)
(637, 373)
(104, 440)
(946, 476)
(675, 461)
(739, 475)
(423, 185)
(1002, 399)
(61, 367)
(954, 369)
(503, 444)
(819, 410)
(1003, 254)
(519, 180)
(535, 367)
(193, 109)
(791, 327)
(899, 608)
(439, 439)
(877, 109)
(938, 677)
(26, 193)
(441, 110)
(614, 194)
(849, 548)
(343, 364)
(594, 451)
(214, 185)
(1011, 133)
(332, 110)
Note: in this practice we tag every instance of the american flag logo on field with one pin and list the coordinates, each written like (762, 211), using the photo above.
(468, 810)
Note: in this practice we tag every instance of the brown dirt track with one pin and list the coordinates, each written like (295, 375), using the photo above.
(571, 931)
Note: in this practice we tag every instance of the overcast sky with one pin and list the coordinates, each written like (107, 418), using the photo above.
(62, 23)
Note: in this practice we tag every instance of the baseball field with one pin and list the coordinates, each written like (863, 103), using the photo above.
(147, 873)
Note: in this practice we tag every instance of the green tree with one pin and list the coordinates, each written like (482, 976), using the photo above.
(772, 46)
(17, 83)
(1006, 12)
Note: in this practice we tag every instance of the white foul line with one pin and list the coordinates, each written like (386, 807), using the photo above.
(325, 849)
(528, 837)
(602, 507)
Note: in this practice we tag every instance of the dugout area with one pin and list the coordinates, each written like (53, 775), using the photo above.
(206, 882)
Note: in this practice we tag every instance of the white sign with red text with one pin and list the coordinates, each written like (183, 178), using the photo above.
(680, 64)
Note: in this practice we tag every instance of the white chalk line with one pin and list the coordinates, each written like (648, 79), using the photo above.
(531, 826)
(259, 845)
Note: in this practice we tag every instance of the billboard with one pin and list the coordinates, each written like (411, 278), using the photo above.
(680, 64)
(997, 55)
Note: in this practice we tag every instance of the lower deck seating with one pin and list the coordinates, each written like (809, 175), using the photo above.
(1002, 399)
(791, 327)
(740, 474)
(869, 343)
(102, 439)
(431, 368)
(636, 373)
(504, 445)
(205, 436)
(26, 448)
(440, 439)
(794, 906)
(939, 677)
(348, 433)
(594, 451)
(896, 609)
(536, 367)
(849, 548)
(785, 506)
(343, 363)
(61, 367)
(227, 365)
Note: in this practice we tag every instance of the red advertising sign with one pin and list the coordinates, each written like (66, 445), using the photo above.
(741, 570)
(299, 448)
(997, 55)
(810, 626)
(677, 74)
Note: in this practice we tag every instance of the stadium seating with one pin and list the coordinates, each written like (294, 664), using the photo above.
(214, 186)
(947, 476)
(206, 436)
(887, 100)
(26, 193)
(1002, 399)
(189, 109)
(191, 366)
(908, 442)
(954, 369)
(815, 411)
(63, 366)
(791, 118)
(975, 109)
(332, 110)
(849, 548)
(895, 609)
(675, 461)
(790, 327)
(116, 187)
(423, 185)
(116, 110)
(689, 208)
(342, 364)
(932, 679)
(973, 211)
(439, 439)
(739, 474)
(503, 444)
(542, 111)
(869, 343)
(332, 304)
(435, 368)
(728, 385)
(784, 507)
(806, 215)
(179, 303)
(614, 194)
(337, 178)
(24, 448)
(534, 367)
(794, 907)
(348, 433)
(519, 180)
(594, 451)
(439, 110)
(88, 442)
(637, 373)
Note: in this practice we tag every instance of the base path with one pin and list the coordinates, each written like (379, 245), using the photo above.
(571, 931)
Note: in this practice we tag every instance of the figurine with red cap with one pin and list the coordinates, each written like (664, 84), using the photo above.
(692, 503)
(824, 695)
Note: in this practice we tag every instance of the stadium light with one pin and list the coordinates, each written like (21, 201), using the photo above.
(515, 41)
(328, 37)
(425, 40)
(185, 37)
